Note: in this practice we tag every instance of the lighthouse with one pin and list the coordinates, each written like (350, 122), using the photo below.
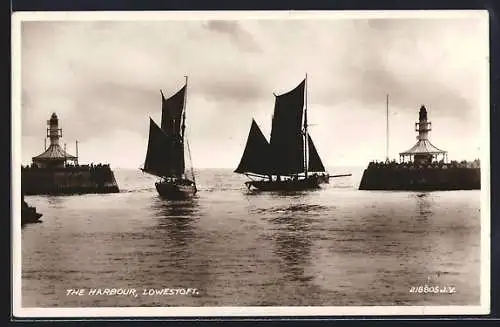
(53, 130)
(55, 171)
(54, 156)
(423, 152)
(423, 167)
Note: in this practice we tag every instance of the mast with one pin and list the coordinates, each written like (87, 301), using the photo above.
(183, 126)
(305, 129)
(192, 169)
(76, 146)
(387, 128)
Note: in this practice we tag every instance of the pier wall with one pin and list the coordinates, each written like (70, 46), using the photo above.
(72, 180)
(420, 179)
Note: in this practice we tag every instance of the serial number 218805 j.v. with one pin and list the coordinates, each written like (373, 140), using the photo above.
(426, 289)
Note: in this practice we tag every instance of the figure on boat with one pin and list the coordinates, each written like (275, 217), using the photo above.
(166, 148)
(289, 161)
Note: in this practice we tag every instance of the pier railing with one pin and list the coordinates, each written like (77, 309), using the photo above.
(72, 168)
(430, 165)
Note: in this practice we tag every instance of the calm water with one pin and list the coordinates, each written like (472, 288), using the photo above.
(336, 246)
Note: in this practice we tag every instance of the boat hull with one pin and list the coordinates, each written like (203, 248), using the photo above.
(29, 215)
(310, 183)
(176, 189)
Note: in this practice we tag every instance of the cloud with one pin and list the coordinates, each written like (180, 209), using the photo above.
(237, 34)
(103, 80)
(222, 26)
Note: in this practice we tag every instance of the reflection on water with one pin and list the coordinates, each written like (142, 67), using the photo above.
(176, 221)
(424, 208)
(178, 208)
(293, 245)
(280, 194)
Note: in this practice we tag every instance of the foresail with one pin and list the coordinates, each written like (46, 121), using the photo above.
(287, 141)
(171, 116)
(157, 156)
(256, 154)
(315, 164)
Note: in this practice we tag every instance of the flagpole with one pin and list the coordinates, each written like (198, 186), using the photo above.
(387, 128)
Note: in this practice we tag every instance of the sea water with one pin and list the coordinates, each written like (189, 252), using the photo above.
(336, 246)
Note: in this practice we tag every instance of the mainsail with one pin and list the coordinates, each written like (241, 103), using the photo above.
(287, 140)
(165, 154)
(284, 154)
(255, 154)
(315, 163)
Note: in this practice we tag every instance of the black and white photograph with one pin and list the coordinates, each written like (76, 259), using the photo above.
(252, 163)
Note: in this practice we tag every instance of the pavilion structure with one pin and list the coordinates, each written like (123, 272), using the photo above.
(54, 156)
(423, 152)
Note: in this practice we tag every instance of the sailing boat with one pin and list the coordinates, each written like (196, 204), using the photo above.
(165, 153)
(289, 161)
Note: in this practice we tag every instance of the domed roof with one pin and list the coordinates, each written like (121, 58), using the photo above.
(423, 147)
(54, 152)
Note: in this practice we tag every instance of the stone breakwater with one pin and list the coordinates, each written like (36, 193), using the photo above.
(401, 178)
(68, 180)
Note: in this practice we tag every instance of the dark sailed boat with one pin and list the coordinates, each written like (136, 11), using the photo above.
(289, 161)
(165, 153)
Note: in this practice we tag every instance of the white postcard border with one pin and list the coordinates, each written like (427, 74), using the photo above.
(19, 311)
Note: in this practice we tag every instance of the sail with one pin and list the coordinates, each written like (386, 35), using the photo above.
(165, 154)
(315, 163)
(157, 160)
(255, 153)
(287, 141)
(171, 112)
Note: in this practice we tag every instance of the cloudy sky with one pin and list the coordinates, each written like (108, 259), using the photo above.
(103, 79)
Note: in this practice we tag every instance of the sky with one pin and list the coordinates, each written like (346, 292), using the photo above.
(103, 79)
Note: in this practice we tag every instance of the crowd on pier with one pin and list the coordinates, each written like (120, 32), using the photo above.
(69, 166)
(419, 165)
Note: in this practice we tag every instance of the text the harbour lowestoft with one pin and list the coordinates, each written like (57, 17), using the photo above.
(132, 291)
